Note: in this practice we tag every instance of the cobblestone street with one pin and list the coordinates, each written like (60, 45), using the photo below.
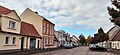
(75, 51)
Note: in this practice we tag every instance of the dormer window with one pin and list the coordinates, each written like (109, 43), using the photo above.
(12, 24)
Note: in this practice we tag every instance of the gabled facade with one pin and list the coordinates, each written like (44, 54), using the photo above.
(67, 39)
(35, 19)
(56, 42)
(59, 36)
(63, 38)
(31, 36)
(75, 40)
(9, 29)
(114, 37)
(43, 26)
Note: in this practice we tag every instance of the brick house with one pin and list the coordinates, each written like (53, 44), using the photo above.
(48, 33)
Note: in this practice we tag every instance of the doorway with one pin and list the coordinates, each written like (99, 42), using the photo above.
(38, 43)
(32, 43)
(22, 43)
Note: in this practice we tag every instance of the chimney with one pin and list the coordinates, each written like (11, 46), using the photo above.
(36, 12)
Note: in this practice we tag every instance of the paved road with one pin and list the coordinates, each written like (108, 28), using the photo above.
(75, 51)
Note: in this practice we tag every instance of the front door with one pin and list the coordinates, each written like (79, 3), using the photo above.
(22, 43)
(38, 43)
(32, 43)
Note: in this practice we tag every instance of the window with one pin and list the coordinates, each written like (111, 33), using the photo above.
(51, 41)
(6, 40)
(43, 29)
(46, 30)
(14, 39)
(12, 24)
(113, 44)
(48, 40)
(45, 40)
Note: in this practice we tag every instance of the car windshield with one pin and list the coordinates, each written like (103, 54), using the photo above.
(92, 45)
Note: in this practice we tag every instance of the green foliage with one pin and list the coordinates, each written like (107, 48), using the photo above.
(100, 36)
(89, 39)
(82, 39)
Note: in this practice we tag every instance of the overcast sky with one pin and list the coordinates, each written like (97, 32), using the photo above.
(73, 16)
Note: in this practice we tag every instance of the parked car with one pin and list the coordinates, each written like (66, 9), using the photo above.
(68, 46)
(94, 47)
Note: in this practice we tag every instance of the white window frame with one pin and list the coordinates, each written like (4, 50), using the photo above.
(14, 40)
(7, 40)
(12, 24)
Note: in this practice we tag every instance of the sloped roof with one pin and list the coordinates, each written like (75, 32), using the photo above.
(4, 10)
(116, 37)
(115, 33)
(110, 29)
(71, 39)
(29, 30)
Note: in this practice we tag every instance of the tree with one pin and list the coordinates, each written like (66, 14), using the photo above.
(96, 38)
(80, 35)
(89, 39)
(102, 36)
(114, 12)
(82, 39)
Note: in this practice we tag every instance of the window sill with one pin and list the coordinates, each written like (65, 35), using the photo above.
(9, 44)
(11, 28)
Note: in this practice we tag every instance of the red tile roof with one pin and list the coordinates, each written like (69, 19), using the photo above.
(29, 30)
(4, 10)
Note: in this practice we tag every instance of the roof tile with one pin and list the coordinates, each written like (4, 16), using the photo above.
(4, 10)
(29, 30)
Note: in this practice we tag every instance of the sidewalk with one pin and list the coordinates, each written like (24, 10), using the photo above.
(117, 52)
(26, 52)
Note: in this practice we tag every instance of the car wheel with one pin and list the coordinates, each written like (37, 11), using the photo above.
(108, 49)
(93, 49)
(105, 49)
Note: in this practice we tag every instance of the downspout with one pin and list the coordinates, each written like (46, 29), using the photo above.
(0, 22)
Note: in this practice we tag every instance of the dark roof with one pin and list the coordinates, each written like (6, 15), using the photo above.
(116, 37)
(75, 37)
(47, 20)
(111, 29)
(4, 10)
(71, 39)
(29, 30)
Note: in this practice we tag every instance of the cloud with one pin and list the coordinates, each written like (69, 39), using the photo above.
(75, 15)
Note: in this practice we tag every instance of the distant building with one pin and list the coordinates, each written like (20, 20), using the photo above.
(56, 42)
(63, 37)
(74, 41)
(59, 37)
